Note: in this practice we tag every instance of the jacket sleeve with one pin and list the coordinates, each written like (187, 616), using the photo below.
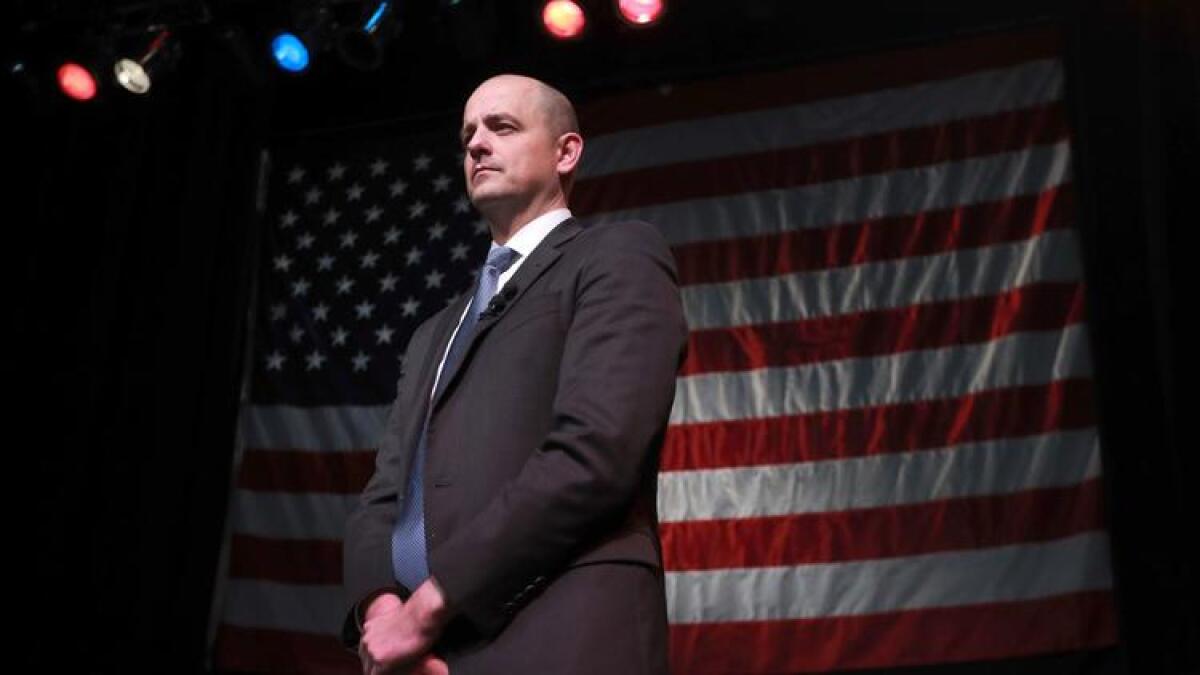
(614, 394)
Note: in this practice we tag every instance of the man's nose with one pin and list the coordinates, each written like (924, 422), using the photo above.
(477, 145)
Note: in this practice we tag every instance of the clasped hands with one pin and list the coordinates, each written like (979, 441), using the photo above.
(397, 636)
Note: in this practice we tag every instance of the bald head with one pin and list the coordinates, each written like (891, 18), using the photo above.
(555, 108)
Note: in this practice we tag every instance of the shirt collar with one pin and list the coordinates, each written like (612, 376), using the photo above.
(528, 237)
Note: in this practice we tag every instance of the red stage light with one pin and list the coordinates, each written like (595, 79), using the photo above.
(563, 19)
(76, 82)
(640, 12)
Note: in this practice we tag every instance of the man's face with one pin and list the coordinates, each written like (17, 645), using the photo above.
(509, 152)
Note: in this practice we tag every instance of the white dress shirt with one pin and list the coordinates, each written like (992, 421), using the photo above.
(523, 242)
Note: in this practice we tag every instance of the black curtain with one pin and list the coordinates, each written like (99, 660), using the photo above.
(1134, 81)
(133, 239)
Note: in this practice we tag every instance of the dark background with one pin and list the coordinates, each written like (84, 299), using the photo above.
(130, 243)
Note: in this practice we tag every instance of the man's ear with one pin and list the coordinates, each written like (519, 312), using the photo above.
(570, 149)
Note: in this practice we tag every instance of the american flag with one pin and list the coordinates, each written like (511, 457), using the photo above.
(883, 450)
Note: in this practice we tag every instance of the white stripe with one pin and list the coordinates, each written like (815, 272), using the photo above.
(1019, 359)
(960, 578)
(954, 275)
(925, 104)
(937, 186)
(322, 428)
(269, 604)
(289, 515)
(1003, 466)
(1015, 360)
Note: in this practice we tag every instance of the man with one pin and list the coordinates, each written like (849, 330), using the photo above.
(511, 523)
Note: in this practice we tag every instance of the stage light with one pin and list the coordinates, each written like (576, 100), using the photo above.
(640, 12)
(137, 76)
(290, 52)
(564, 19)
(361, 46)
(76, 81)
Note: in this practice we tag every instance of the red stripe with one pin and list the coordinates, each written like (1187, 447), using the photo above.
(842, 536)
(845, 77)
(259, 650)
(1007, 412)
(1036, 307)
(902, 427)
(924, 233)
(289, 561)
(824, 162)
(342, 472)
(886, 532)
(1072, 622)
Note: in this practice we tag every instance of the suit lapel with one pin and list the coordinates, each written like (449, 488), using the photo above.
(541, 259)
(442, 331)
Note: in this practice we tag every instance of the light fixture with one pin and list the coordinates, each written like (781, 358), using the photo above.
(136, 76)
(640, 12)
(563, 19)
(77, 81)
(361, 45)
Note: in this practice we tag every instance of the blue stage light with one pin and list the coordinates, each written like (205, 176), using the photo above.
(289, 52)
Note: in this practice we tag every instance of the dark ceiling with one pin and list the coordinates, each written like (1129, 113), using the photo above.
(445, 47)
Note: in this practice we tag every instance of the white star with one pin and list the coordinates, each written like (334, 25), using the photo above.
(296, 333)
(398, 187)
(282, 263)
(315, 360)
(373, 214)
(363, 309)
(421, 162)
(369, 258)
(360, 361)
(354, 193)
(275, 361)
(305, 241)
(436, 230)
(481, 226)
(344, 285)
(278, 311)
(391, 234)
(413, 256)
(384, 335)
(378, 167)
(433, 279)
(289, 219)
(388, 283)
(313, 195)
(441, 183)
(337, 171)
(410, 306)
(332, 215)
(325, 262)
(321, 312)
(417, 209)
(348, 239)
(339, 336)
(462, 205)
(295, 175)
(459, 251)
(300, 287)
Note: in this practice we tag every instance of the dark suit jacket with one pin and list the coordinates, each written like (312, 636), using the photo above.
(541, 473)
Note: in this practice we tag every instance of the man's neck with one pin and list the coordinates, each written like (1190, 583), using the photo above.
(505, 225)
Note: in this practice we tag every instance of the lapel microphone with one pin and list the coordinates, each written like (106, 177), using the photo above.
(500, 301)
